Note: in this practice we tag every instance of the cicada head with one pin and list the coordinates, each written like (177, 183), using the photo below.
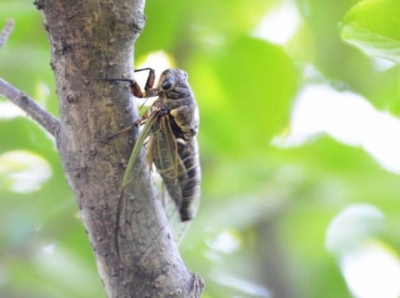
(173, 84)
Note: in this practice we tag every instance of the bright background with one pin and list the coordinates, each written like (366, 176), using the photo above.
(299, 140)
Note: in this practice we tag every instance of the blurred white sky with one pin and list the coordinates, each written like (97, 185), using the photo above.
(280, 24)
(347, 117)
(370, 267)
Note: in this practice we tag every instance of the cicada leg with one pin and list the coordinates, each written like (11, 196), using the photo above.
(137, 91)
(149, 91)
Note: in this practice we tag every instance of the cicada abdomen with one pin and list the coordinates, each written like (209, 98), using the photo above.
(190, 185)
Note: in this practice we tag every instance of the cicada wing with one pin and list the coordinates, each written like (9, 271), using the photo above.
(170, 166)
(151, 121)
(177, 227)
(164, 150)
(134, 169)
(189, 187)
(174, 163)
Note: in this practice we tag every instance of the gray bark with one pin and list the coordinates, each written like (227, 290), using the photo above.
(134, 252)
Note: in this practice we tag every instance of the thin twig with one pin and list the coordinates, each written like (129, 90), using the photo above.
(28, 105)
(8, 27)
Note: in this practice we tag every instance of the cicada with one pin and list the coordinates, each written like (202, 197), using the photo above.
(169, 132)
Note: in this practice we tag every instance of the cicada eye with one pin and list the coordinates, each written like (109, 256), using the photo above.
(167, 84)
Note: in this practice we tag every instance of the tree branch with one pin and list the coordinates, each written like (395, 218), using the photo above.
(135, 253)
(5, 33)
(28, 105)
(20, 99)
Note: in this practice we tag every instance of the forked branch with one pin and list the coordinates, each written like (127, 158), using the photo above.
(20, 99)
(28, 105)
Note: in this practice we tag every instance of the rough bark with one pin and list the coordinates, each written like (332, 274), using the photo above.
(135, 254)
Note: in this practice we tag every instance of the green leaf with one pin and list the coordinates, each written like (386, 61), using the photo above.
(373, 26)
(179, 27)
(244, 90)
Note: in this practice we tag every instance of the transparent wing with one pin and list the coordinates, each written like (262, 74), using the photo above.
(164, 151)
(177, 227)
(151, 121)
(128, 202)
(170, 164)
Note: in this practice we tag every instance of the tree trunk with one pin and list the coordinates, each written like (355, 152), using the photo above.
(90, 40)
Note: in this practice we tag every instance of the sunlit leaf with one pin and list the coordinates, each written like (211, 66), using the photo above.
(372, 26)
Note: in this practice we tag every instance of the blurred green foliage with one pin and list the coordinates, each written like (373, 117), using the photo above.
(372, 26)
(265, 211)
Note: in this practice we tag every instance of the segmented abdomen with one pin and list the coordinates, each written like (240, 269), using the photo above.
(190, 184)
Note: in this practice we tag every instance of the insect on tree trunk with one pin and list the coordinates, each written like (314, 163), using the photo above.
(91, 40)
